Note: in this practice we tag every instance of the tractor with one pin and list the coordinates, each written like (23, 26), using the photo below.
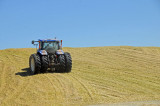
(50, 56)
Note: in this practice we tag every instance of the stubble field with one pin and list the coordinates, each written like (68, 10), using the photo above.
(100, 75)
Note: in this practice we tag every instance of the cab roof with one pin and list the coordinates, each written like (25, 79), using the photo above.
(48, 40)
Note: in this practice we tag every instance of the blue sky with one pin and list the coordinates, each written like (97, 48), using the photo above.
(80, 23)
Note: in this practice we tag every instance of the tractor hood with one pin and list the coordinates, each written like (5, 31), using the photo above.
(44, 52)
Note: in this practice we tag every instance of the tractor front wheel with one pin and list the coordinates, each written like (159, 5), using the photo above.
(44, 63)
(61, 61)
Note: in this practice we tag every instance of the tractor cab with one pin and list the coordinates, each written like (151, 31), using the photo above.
(50, 46)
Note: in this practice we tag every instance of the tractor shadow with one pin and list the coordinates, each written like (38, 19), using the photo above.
(25, 72)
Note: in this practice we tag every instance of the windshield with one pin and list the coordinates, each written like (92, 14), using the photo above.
(46, 45)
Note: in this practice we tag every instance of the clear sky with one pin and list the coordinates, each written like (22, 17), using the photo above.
(80, 23)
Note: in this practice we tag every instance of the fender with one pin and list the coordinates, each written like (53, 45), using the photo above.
(58, 52)
(42, 52)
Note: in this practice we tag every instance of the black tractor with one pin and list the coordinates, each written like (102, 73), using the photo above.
(50, 56)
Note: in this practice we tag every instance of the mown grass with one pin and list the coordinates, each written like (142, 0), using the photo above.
(99, 75)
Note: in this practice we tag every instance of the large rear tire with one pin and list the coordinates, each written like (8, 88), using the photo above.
(61, 67)
(68, 62)
(44, 64)
(34, 64)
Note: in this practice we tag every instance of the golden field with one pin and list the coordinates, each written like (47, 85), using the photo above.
(100, 75)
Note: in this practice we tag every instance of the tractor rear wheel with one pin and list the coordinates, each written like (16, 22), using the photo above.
(35, 64)
(44, 64)
(61, 67)
(68, 62)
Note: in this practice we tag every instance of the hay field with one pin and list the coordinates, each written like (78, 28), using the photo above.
(100, 75)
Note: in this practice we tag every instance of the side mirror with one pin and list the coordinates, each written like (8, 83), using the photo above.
(32, 41)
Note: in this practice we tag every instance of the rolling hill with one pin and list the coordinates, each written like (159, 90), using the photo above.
(100, 75)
